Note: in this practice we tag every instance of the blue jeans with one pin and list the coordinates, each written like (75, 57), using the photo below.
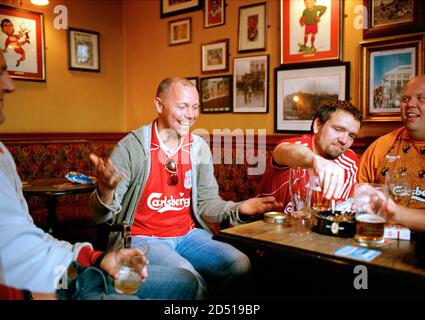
(216, 265)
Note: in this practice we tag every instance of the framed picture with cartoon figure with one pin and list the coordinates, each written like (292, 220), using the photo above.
(310, 30)
(22, 43)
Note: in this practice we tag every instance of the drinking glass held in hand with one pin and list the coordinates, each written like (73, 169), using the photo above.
(131, 267)
(370, 202)
(400, 186)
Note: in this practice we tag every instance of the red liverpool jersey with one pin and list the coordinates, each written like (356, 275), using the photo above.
(164, 209)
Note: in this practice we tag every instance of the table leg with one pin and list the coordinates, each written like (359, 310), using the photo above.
(52, 220)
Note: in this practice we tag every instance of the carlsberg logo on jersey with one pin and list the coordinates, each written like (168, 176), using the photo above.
(418, 194)
(160, 203)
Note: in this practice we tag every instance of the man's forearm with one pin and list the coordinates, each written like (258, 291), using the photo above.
(293, 155)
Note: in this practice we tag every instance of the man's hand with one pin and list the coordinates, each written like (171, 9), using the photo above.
(111, 262)
(302, 21)
(331, 177)
(107, 178)
(256, 206)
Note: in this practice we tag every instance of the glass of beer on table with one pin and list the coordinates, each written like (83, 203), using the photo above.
(370, 200)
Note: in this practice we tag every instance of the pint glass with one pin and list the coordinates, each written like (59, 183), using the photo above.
(369, 202)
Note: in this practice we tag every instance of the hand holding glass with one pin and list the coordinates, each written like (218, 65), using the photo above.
(370, 202)
(130, 269)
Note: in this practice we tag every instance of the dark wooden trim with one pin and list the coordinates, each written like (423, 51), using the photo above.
(65, 137)
(78, 137)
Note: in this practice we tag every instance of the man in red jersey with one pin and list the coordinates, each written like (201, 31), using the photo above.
(32, 261)
(335, 126)
(166, 186)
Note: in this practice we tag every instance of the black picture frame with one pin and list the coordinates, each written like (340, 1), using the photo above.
(300, 90)
(169, 8)
(83, 50)
(216, 94)
(393, 21)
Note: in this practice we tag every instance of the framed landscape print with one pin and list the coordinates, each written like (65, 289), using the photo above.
(22, 43)
(214, 13)
(310, 33)
(179, 31)
(215, 56)
(250, 84)
(386, 67)
(385, 18)
(252, 27)
(84, 50)
(300, 91)
(173, 7)
(216, 94)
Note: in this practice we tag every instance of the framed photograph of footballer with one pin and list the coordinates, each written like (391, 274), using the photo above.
(300, 91)
(22, 43)
(310, 31)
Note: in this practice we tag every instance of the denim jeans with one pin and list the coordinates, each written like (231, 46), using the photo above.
(217, 266)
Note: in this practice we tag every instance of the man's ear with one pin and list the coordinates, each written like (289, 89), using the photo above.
(316, 125)
(158, 104)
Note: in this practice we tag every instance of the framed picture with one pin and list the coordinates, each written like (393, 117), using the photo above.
(22, 43)
(250, 84)
(215, 56)
(216, 94)
(179, 31)
(386, 67)
(84, 50)
(195, 81)
(301, 90)
(385, 18)
(310, 30)
(214, 13)
(172, 7)
(252, 27)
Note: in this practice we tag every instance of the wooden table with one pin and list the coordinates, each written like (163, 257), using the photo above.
(293, 257)
(52, 188)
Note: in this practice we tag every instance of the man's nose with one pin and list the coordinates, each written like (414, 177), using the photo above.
(343, 137)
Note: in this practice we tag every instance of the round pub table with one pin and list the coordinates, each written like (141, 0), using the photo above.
(51, 189)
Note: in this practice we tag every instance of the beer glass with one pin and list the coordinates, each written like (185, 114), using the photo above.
(318, 201)
(400, 186)
(370, 202)
(300, 191)
(129, 269)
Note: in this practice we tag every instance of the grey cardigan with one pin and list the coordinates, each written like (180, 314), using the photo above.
(132, 157)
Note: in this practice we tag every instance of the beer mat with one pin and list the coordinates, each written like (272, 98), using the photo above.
(358, 253)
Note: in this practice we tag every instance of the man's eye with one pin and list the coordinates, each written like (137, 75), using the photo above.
(421, 99)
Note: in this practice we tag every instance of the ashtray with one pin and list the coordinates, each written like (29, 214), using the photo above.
(338, 224)
(275, 217)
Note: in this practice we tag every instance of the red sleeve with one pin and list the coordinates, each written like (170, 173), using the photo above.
(9, 293)
(87, 256)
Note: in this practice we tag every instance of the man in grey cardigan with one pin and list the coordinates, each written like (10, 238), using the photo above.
(160, 179)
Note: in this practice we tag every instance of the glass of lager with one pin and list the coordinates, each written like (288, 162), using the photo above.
(370, 202)
(400, 186)
(130, 268)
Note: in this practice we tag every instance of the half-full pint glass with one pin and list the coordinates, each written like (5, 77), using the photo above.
(369, 202)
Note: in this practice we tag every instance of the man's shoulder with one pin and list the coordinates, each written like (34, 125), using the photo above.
(303, 140)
